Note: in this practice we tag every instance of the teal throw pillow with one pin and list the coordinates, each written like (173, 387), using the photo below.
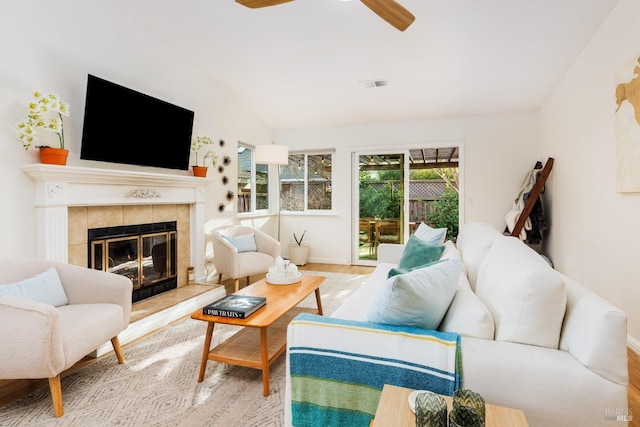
(418, 298)
(244, 243)
(43, 287)
(418, 252)
(395, 271)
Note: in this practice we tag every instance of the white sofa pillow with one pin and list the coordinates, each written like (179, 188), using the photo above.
(526, 297)
(43, 287)
(467, 315)
(418, 298)
(450, 252)
(430, 235)
(473, 242)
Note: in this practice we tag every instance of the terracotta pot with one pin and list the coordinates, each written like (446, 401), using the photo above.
(200, 171)
(53, 156)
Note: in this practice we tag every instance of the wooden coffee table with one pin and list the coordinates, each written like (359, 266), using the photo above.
(264, 336)
(393, 410)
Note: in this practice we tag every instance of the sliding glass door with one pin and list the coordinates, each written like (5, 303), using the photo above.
(393, 192)
(380, 213)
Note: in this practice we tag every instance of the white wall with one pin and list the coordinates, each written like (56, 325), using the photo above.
(52, 46)
(498, 151)
(596, 237)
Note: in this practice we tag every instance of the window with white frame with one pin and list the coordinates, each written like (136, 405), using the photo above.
(253, 182)
(305, 183)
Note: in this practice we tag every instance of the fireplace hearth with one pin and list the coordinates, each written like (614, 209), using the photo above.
(145, 253)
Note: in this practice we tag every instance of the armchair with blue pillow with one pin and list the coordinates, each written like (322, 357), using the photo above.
(240, 251)
(54, 314)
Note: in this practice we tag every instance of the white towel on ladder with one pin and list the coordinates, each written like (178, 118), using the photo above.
(513, 215)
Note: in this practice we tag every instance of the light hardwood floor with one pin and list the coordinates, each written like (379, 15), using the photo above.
(11, 390)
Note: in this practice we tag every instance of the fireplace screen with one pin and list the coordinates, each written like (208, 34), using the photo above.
(144, 253)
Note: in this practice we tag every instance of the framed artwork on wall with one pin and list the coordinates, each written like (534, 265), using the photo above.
(628, 127)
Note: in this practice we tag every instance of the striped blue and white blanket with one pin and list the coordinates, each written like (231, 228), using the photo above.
(337, 368)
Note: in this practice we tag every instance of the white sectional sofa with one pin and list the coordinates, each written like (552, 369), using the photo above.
(529, 337)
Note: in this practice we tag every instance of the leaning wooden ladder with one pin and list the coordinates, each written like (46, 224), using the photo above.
(533, 196)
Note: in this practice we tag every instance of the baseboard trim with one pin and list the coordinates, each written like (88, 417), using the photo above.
(313, 260)
(161, 319)
(633, 344)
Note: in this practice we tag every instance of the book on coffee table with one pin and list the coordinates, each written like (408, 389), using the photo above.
(238, 306)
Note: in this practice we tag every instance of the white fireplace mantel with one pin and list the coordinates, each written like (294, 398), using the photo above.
(59, 187)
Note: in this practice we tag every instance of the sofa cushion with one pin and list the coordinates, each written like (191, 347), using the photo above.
(417, 252)
(355, 307)
(467, 315)
(87, 326)
(418, 298)
(44, 287)
(526, 297)
(433, 236)
(450, 251)
(254, 263)
(243, 243)
(473, 242)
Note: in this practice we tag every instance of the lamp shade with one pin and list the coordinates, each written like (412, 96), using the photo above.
(272, 154)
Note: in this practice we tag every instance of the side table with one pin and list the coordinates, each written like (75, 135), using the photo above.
(393, 411)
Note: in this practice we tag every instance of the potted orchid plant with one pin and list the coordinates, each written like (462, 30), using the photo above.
(41, 108)
(196, 146)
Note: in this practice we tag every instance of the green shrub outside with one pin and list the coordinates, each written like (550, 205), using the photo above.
(446, 213)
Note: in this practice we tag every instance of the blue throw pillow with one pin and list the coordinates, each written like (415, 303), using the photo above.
(244, 243)
(43, 287)
(418, 252)
(419, 298)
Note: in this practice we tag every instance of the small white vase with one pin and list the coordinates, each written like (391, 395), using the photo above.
(298, 254)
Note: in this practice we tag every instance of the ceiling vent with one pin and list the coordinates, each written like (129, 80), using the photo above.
(374, 83)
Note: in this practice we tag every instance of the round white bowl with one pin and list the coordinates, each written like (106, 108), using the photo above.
(284, 280)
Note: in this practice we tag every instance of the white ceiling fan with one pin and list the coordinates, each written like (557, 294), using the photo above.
(389, 10)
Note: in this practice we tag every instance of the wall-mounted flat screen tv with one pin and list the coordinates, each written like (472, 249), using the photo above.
(122, 125)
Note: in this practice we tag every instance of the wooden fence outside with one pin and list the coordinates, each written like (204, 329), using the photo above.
(422, 197)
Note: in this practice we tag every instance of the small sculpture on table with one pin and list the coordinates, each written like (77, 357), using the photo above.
(283, 273)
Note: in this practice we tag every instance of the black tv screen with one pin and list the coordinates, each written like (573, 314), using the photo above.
(122, 125)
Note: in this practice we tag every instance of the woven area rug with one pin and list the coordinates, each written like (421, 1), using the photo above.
(157, 386)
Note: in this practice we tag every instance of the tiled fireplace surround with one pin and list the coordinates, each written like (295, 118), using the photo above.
(69, 200)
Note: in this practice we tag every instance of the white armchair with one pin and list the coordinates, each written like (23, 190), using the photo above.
(40, 340)
(245, 258)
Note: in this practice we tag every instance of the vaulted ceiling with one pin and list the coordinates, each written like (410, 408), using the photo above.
(309, 63)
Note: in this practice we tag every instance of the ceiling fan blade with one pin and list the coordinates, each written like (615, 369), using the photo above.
(391, 12)
(254, 4)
